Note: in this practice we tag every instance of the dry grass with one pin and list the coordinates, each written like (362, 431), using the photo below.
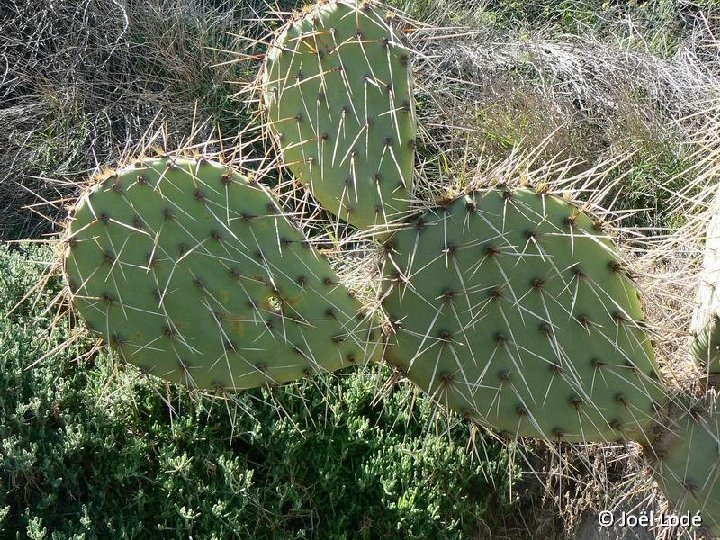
(593, 96)
(83, 81)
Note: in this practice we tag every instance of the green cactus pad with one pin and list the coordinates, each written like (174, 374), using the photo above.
(685, 458)
(194, 275)
(337, 92)
(705, 348)
(513, 308)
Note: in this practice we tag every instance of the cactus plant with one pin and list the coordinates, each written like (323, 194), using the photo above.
(512, 307)
(705, 347)
(685, 453)
(337, 92)
(193, 273)
(685, 446)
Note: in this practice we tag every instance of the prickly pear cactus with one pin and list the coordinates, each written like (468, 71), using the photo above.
(193, 274)
(705, 348)
(337, 92)
(513, 308)
(685, 456)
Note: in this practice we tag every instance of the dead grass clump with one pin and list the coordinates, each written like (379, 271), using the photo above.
(82, 81)
(591, 97)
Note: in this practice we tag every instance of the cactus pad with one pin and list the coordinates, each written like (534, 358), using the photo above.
(513, 308)
(192, 273)
(686, 456)
(705, 348)
(337, 91)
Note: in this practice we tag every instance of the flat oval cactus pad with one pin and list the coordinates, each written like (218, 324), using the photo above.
(513, 308)
(193, 274)
(338, 96)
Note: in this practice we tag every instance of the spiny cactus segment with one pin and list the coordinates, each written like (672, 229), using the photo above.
(705, 348)
(337, 92)
(513, 308)
(685, 456)
(705, 324)
(193, 274)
